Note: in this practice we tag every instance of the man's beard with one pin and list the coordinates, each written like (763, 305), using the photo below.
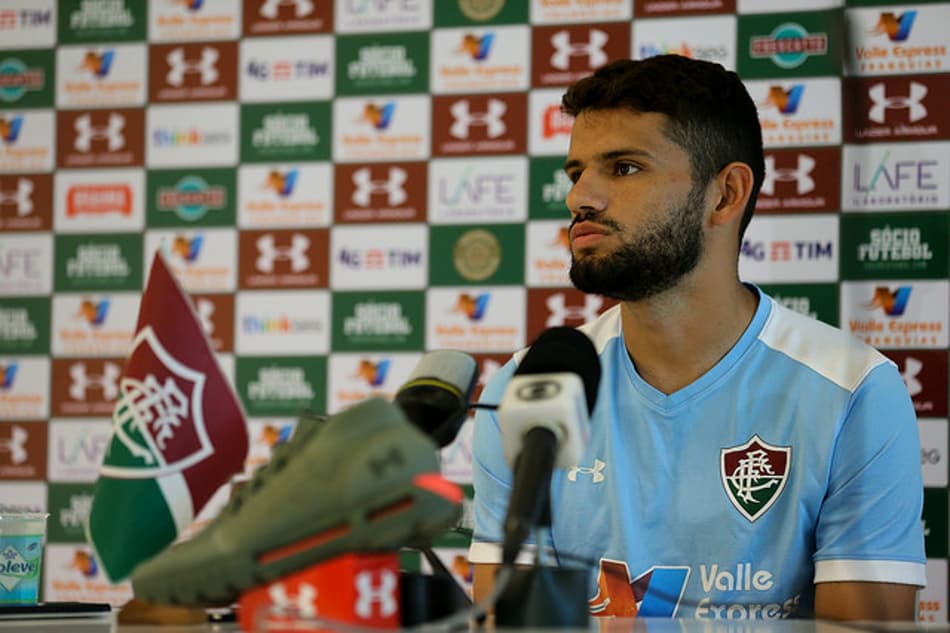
(649, 262)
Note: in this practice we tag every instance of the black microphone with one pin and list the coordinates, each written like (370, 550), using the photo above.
(436, 396)
(544, 418)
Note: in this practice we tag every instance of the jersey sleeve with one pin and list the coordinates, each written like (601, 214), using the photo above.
(869, 526)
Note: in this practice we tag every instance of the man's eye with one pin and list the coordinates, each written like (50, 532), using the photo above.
(625, 169)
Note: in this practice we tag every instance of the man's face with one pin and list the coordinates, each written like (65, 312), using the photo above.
(637, 224)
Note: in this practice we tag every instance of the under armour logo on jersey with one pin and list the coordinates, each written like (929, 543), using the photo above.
(15, 445)
(560, 312)
(491, 119)
(205, 308)
(370, 594)
(912, 102)
(565, 49)
(392, 186)
(296, 253)
(86, 132)
(800, 174)
(82, 380)
(207, 66)
(596, 473)
(302, 8)
(302, 604)
(912, 367)
(22, 197)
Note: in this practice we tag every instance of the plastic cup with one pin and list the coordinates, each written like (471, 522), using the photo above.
(21, 556)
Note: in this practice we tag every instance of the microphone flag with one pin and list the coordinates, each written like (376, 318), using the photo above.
(179, 433)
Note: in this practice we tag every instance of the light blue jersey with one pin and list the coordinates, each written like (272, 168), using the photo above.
(794, 460)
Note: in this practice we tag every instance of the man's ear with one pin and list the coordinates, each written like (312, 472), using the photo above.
(733, 187)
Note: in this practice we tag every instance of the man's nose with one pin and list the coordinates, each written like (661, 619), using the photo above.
(586, 196)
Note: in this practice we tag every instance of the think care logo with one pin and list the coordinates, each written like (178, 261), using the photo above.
(754, 475)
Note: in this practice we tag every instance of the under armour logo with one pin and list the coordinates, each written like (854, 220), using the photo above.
(597, 472)
(82, 380)
(22, 197)
(379, 465)
(565, 49)
(560, 312)
(382, 594)
(883, 102)
(207, 66)
(15, 445)
(302, 604)
(392, 186)
(205, 308)
(86, 132)
(491, 119)
(912, 367)
(302, 8)
(296, 253)
(800, 174)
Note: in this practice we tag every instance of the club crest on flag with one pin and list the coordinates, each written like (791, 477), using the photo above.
(158, 419)
(754, 475)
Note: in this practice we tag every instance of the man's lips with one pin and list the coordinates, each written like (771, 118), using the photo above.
(586, 233)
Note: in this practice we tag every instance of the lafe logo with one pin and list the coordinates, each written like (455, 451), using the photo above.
(82, 380)
(785, 101)
(271, 8)
(86, 132)
(282, 183)
(376, 595)
(392, 187)
(913, 102)
(655, 593)
(491, 119)
(93, 312)
(800, 175)
(295, 253)
(893, 303)
(10, 129)
(912, 368)
(896, 27)
(98, 63)
(206, 66)
(477, 48)
(472, 306)
(21, 197)
(373, 374)
(379, 116)
(560, 312)
(8, 374)
(593, 48)
(15, 444)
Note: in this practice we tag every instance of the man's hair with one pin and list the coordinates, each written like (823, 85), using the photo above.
(711, 114)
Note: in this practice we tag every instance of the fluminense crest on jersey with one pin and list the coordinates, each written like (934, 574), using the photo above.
(754, 475)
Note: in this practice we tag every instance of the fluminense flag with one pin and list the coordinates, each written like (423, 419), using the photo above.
(179, 433)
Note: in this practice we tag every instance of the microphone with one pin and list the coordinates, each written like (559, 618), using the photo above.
(436, 396)
(544, 418)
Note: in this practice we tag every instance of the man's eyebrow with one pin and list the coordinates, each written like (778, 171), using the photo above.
(611, 155)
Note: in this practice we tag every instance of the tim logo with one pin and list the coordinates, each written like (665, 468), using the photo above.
(895, 27)
(85, 563)
(187, 249)
(10, 129)
(282, 184)
(472, 306)
(98, 64)
(373, 374)
(379, 116)
(785, 101)
(654, 594)
(8, 375)
(93, 312)
(477, 48)
(893, 303)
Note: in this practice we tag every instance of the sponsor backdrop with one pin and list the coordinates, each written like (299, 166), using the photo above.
(343, 185)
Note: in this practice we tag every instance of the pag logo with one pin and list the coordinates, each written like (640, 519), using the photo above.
(282, 184)
(373, 374)
(784, 100)
(93, 312)
(895, 27)
(379, 116)
(472, 306)
(655, 593)
(477, 48)
(754, 475)
(892, 302)
(98, 63)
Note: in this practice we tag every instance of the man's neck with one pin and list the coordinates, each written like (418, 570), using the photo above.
(676, 337)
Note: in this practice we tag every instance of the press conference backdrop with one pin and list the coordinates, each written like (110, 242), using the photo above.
(343, 185)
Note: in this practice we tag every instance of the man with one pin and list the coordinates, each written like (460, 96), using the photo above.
(744, 461)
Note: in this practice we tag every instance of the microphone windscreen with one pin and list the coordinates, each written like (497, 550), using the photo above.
(451, 367)
(436, 396)
(564, 349)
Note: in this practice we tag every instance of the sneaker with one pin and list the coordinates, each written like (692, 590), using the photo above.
(365, 480)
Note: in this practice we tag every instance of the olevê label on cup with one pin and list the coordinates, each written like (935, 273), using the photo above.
(21, 552)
